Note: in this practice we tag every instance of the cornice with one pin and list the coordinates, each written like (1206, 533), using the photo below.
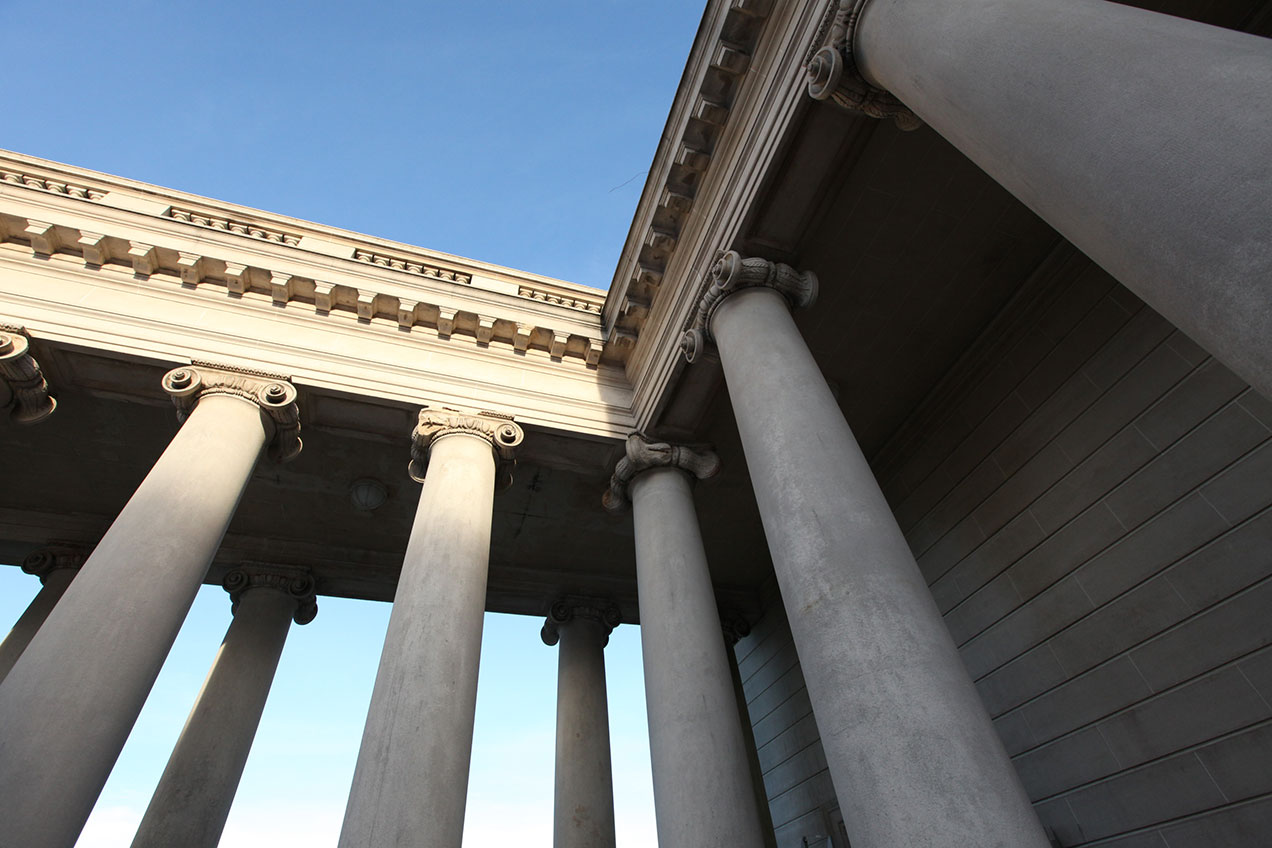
(770, 102)
(291, 242)
(532, 317)
(720, 60)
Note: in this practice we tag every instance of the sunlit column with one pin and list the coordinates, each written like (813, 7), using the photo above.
(702, 788)
(411, 780)
(193, 799)
(912, 753)
(583, 810)
(70, 700)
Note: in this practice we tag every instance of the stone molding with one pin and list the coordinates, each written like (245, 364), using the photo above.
(273, 393)
(230, 225)
(731, 273)
(297, 583)
(29, 401)
(833, 74)
(46, 560)
(436, 422)
(685, 154)
(642, 455)
(54, 186)
(570, 607)
(193, 270)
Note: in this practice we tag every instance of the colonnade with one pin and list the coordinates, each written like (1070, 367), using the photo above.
(1147, 176)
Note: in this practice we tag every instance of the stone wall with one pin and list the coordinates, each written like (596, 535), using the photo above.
(1087, 495)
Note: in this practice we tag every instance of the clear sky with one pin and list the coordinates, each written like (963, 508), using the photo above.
(513, 133)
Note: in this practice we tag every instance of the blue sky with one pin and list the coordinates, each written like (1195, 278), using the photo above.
(517, 134)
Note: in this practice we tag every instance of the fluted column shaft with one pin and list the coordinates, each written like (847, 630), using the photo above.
(194, 795)
(53, 585)
(69, 703)
(583, 797)
(411, 779)
(702, 782)
(912, 753)
(1141, 137)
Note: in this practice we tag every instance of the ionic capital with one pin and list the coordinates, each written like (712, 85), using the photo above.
(833, 74)
(45, 561)
(296, 583)
(436, 422)
(569, 608)
(21, 379)
(735, 627)
(733, 272)
(642, 455)
(273, 393)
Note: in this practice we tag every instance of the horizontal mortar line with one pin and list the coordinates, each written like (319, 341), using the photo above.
(1201, 814)
(806, 780)
(1230, 663)
(777, 653)
(1187, 749)
(1161, 572)
(1096, 501)
(1013, 332)
(1014, 388)
(793, 667)
(1110, 391)
(1100, 501)
(816, 742)
(794, 694)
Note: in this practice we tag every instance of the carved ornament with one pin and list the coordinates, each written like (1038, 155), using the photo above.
(29, 400)
(603, 612)
(642, 455)
(735, 627)
(435, 422)
(45, 561)
(833, 74)
(297, 583)
(273, 393)
(732, 273)
(229, 225)
(399, 263)
(32, 181)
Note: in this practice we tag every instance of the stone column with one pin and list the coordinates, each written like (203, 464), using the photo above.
(55, 568)
(912, 753)
(23, 389)
(411, 779)
(702, 790)
(583, 809)
(1141, 137)
(193, 799)
(68, 704)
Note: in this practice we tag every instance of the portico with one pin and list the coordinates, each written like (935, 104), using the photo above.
(937, 355)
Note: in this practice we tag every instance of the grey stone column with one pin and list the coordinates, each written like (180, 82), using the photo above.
(411, 779)
(68, 704)
(1141, 137)
(583, 808)
(703, 795)
(912, 753)
(55, 568)
(193, 799)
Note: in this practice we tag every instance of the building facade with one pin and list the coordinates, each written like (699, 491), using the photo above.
(925, 430)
